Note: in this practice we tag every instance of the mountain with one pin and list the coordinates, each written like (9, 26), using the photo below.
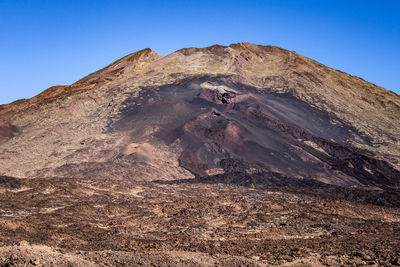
(187, 111)
(240, 115)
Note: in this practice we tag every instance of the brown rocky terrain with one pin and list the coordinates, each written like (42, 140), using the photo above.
(239, 155)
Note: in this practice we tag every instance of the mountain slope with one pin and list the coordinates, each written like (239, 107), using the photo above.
(187, 111)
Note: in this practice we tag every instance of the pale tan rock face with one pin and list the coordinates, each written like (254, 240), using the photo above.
(71, 124)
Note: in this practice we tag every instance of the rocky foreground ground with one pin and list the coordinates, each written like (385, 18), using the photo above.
(103, 222)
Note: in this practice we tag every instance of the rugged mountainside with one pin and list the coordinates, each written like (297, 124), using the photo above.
(157, 154)
(187, 111)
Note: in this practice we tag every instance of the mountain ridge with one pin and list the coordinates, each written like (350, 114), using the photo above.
(186, 51)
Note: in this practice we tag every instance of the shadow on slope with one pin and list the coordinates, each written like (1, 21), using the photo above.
(246, 175)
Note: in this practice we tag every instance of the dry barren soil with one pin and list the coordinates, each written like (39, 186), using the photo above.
(105, 222)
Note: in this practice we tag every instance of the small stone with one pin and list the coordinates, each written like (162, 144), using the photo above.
(367, 258)
(288, 258)
(359, 253)
(13, 257)
(395, 262)
(60, 250)
(24, 243)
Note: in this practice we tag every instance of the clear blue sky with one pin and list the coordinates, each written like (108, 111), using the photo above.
(45, 43)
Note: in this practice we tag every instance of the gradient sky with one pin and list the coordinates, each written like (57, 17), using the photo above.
(46, 43)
